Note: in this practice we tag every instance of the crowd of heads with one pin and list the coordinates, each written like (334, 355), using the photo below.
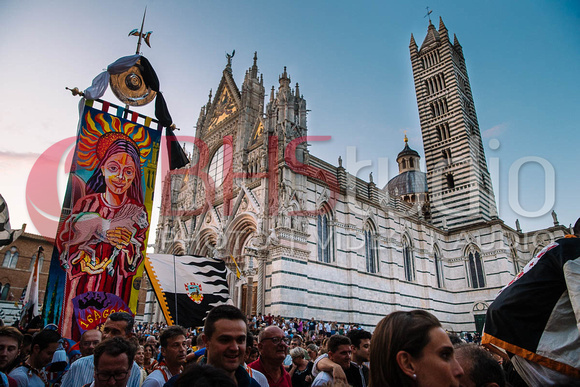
(406, 349)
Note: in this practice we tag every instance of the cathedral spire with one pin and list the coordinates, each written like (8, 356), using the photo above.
(413, 44)
(272, 94)
(297, 91)
(255, 65)
(441, 25)
(208, 104)
(284, 79)
(432, 38)
(442, 29)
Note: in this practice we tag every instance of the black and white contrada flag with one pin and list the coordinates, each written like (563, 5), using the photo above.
(187, 287)
(7, 235)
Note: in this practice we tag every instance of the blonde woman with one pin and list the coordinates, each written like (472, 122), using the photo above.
(301, 371)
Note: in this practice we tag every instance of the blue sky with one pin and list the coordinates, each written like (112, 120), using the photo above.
(351, 60)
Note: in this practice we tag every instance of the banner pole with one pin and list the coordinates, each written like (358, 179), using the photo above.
(175, 290)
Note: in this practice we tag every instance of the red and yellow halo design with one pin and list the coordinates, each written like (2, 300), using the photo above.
(99, 134)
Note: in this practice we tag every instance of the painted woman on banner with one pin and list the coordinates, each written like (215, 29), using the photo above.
(102, 242)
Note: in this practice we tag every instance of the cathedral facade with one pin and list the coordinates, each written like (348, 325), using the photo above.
(312, 240)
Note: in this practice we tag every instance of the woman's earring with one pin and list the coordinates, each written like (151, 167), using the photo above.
(415, 376)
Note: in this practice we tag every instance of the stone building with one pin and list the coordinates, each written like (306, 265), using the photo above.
(312, 240)
(17, 263)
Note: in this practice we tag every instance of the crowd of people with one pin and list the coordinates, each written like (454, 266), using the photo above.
(234, 350)
(308, 330)
(531, 338)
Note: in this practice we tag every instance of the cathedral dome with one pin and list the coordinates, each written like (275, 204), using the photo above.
(406, 183)
(410, 182)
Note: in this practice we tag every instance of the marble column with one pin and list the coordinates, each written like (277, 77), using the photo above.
(261, 285)
(249, 293)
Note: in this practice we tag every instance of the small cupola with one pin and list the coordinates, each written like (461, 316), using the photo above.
(408, 159)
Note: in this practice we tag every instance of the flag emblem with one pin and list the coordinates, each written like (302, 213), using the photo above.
(194, 292)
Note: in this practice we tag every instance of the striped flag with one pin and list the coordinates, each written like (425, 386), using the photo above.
(7, 235)
(30, 308)
(187, 287)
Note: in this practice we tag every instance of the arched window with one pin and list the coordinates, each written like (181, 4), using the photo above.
(475, 268)
(5, 292)
(438, 268)
(325, 235)
(216, 166)
(408, 260)
(371, 248)
(11, 258)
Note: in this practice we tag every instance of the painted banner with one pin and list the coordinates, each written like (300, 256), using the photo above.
(187, 287)
(97, 264)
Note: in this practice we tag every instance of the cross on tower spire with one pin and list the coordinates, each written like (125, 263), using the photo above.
(429, 12)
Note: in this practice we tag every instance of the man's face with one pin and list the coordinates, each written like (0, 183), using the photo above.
(42, 358)
(89, 341)
(8, 351)
(114, 329)
(294, 343)
(363, 352)
(175, 351)
(112, 370)
(341, 356)
(226, 348)
(273, 346)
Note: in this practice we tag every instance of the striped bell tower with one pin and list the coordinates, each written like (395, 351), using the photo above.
(459, 184)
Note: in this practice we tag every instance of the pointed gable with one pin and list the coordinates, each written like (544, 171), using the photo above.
(226, 104)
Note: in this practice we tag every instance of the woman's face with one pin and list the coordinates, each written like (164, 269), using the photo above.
(437, 365)
(312, 354)
(119, 172)
(140, 356)
(147, 352)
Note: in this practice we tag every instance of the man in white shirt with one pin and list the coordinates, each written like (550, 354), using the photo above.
(339, 352)
(328, 329)
(174, 351)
